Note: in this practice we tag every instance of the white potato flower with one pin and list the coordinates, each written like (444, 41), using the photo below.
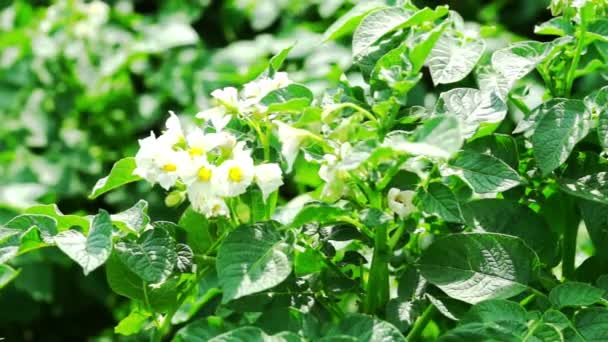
(269, 178)
(218, 116)
(291, 139)
(227, 97)
(159, 163)
(233, 176)
(210, 206)
(401, 202)
(200, 143)
(174, 134)
(255, 90)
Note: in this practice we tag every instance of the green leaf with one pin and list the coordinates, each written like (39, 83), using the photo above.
(92, 251)
(7, 274)
(64, 222)
(293, 98)
(121, 174)
(509, 217)
(319, 212)
(365, 328)
(201, 330)
(134, 219)
(592, 187)
(152, 257)
(438, 199)
(437, 138)
(558, 26)
(453, 58)
(350, 20)
(557, 132)
(128, 284)
(403, 313)
(598, 103)
(198, 236)
(496, 310)
(133, 323)
(485, 173)
(253, 258)
(25, 233)
(591, 325)
(575, 294)
(472, 107)
(253, 334)
(308, 261)
(185, 258)
(474, 267)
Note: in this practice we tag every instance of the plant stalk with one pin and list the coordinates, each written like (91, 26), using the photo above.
(569, 251)
(421, 323)
(377, 292)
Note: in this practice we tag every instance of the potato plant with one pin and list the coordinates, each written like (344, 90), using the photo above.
(370, 211)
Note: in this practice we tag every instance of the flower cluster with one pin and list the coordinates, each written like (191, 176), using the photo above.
(246, 103)
(212, 166)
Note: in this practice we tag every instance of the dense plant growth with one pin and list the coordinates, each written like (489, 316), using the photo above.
(360, 206)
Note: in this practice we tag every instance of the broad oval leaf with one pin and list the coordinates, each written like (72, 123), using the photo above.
(472, 107)
(152, 257)
(591, 324)
(474, 267)
(557, 132)
(485, 173)
(575, 294)
(92, 251)
(121, 174)
(453, 58)
(253, 258)
(375, 25)
(349, 21)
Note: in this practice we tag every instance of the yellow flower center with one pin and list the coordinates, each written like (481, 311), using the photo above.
(196, 151)
(204, 174)
(169, 167)
(235, 174)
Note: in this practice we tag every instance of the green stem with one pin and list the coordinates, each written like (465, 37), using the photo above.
(577, 56)
(359, 109)
(377, 292)
(421, 323)
(569, 251)
(396, 236)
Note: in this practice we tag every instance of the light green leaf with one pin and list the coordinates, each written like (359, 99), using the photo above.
(491, 80)
(293, 98)
(485, 173)
(152, 257)
(349, 21)
(557, 132)
(253, 258)
(7, 274)
(496, 310)
(438, 138)
(201, 330)
(318, 212)
(375, 25)
(558, 26)
(438, 199)
(472, 107)
(575, 294)
(134, 219)
(474, 267)
(92, 251)
(597, 103)
(133, 323)
(453, 58)
(365, 328)
(121, 174)
(592, 187)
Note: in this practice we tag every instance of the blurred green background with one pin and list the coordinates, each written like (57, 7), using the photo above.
(81, 81)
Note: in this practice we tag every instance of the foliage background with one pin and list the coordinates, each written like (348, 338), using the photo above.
(80, 82)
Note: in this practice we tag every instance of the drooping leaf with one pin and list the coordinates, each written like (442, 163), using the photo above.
(64, 222)
(472, 107)
(438, 199)
(121, 174)
(134, 219)
(474, 267)
(293, 98)
(91, 251)
(557, 132)
(152, 257)
(453, 58)
(253, 258)
(485, 173)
